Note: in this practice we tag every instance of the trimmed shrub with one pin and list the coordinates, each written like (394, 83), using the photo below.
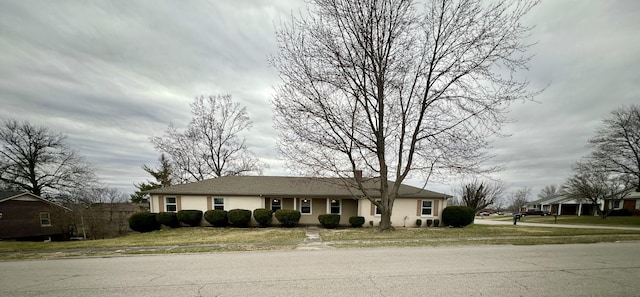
(436, 223)
(263, 216)
(429, 222)
(191, 217)
(419, 222)
(329, 220)
(239, 218)
(623, 212)
(216, 217)
(458, 216)
(288, 217)
(169, 219)
(143, 222)
(356, 221)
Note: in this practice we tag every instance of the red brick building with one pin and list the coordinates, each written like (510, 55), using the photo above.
(26, 216)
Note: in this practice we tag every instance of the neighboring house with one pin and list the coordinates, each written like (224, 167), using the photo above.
(562, 205)
(310, 195)
(26, 216)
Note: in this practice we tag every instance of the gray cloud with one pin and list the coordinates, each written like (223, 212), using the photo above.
(112, 74)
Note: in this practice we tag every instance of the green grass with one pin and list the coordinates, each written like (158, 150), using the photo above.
(169, 237)
(467, 232)
(585, 220)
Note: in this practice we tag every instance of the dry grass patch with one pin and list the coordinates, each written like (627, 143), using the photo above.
(169, 237)
(467, 232)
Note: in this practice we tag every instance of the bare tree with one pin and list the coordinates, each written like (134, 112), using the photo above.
(480, 194)
(395, 90)
(550, 190)
(617, 144)
(38, 160)
(594, 186)
(519, 198)
(212, 145)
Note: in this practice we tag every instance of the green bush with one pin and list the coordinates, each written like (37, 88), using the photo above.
(191, 217)
(329, 220)
(356, 222)
(623, 212)
(429, 222)
(216, 217)
(143, 222)
(288, 217)
(169, 219)
(239, 218)
(263, 216)
(436, 223)
(418, 222)
(458, 216)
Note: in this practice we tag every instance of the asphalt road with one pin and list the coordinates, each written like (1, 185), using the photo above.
(603, 269)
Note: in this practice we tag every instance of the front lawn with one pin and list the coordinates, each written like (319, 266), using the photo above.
(586, 220)
(170, 237)
(472, 231)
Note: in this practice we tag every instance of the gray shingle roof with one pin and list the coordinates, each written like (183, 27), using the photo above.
(9, 194)
(286, 186)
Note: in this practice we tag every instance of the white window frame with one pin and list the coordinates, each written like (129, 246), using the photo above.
(422, 208)
(376, 211)
(214, 204)
(167, 204)
(302, 202)
(46, 220)
(618, 206)
(271, 201)
(330, 206)
(637, 203)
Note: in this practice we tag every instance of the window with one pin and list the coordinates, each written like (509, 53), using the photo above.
(615, 204)
(377, 212)
(334, 206)
(45, 219)
(218, 203)
(427, 208)
(170, 204)
(637, 206)
(305, 206)
(276, 204)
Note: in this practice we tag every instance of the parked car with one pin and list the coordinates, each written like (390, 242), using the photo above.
(484, 213)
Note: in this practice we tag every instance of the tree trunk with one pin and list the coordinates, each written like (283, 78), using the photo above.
(385, 220)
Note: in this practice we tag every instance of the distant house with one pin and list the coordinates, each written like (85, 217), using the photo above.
(562, 205)
(27, 216)
(312, 196)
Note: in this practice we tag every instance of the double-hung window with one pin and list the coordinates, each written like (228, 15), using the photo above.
(171, 204)
(276, 204)
(218, 203)
(334, 206)
(305, 206)
(45, 219)
(377, 211)
(427, 208)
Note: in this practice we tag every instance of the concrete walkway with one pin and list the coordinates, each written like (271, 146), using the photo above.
(521, 223)
(313, 241)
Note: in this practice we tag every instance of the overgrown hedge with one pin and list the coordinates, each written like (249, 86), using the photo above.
(169, 219)
(263, 216)
(239, 218)
(356, 221)
(288, 217)
(191, 217)
(329, 220)
(217, 217)
(458, 216)
(143, 222)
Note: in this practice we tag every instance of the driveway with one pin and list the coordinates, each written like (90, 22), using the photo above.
(603, 269)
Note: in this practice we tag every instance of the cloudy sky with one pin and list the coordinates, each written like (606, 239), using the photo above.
(111, 74)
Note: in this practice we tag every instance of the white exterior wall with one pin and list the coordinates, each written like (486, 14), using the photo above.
(194, 202)
(250, 203)
(401, 208)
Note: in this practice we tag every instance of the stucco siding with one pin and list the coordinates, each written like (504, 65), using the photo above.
(193, 202)
(405, 212)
